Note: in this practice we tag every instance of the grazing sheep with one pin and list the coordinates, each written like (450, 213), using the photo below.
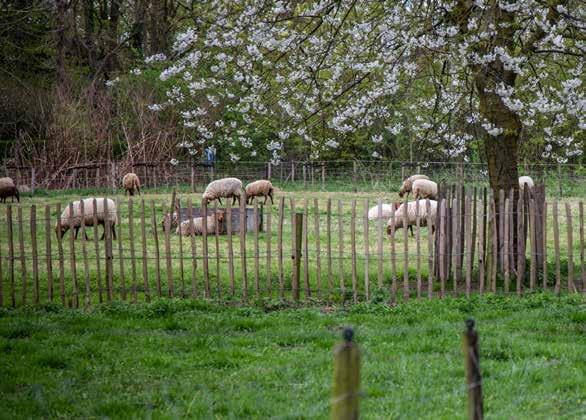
(225, 187)
(261, 188)
(424, 188)
(398, 221)
(73, 221)
(408, 183)
(525, 180)
(130, 182)
(184, 228)
(8, 189)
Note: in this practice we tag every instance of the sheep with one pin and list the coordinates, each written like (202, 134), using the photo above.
(424, 188)
(386, 210)
(130, 182)
(185, 228)
(525, 180)
(225, 187)
(8, 189)
(407, 184)
(398, 221)
(73, 221)
(259, 188)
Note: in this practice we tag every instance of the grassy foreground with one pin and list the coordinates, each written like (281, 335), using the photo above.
(176, 359)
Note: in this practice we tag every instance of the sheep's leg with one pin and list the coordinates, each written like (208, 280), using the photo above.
(234, 200)
(220, 200)
(138, 189)
(104, 232)
(113, 231)
(266, 198)
(411, 229)
(271, 195)
(76, 232)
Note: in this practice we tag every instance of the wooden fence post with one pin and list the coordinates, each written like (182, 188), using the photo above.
(473, 375)
(569, 229)
(33, 229)
(48, 253)
(166, 228)
(280, 247)
(306, 250)
(556, 239)
(145, 273)
(59, 249)
(430, 250)
(341, 250)
(317, 246)
(582, 269)
(346, 390)
(204, 248)
(366, 252)
(108, 233)
(296, 231)
(353, 252)
(329, 246)
(243, 225)
(157, 254)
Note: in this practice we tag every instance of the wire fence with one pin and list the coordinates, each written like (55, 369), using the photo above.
(355, 175)
(469, 241)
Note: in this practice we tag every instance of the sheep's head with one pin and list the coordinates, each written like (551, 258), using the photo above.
(169, 220)
(405, 188)
(63, 231)
(220, 216)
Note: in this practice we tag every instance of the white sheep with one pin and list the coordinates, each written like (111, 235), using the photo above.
(408, 183)
(225, 187)
(74, 221)
(8, 189)
(398, 220)
(185, 228)
(386, 211)
(424, 188)
(130, 182)
(525, 180)
(260, 188)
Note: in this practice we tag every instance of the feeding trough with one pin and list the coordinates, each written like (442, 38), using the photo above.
(197, 212)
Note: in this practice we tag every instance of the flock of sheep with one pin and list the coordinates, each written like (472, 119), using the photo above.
(422, 188)
(94, 209)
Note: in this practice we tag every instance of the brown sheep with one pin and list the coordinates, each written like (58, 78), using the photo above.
(261, 188)
(8, 189)
(131, 183)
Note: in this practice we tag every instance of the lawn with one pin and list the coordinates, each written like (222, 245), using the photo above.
(183, 358)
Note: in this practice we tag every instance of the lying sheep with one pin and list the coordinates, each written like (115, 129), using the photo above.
(213, 220)
(8, 189)
(408, 183)
(424, 188)
(130, 182)
(74, 221)
(225, 187)
(398, 221)
(261, 188)
(525, 180)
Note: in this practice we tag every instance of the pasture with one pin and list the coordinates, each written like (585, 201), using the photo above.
(141, 268)
(183, 358)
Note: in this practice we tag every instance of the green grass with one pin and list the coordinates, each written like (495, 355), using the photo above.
(182, 358)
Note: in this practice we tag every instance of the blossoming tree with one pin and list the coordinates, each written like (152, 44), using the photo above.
(446, 72)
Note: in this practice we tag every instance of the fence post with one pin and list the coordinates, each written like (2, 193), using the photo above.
(473, 376)
(346, 393)
(33, 181)
(354, 174)
(269, 170)
(560, 179)
(298, 225)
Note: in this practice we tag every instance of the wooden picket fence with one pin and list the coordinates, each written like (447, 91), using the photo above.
(298, 249)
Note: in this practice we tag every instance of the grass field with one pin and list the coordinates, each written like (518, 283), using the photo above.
(184, 359)
(182, 264)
